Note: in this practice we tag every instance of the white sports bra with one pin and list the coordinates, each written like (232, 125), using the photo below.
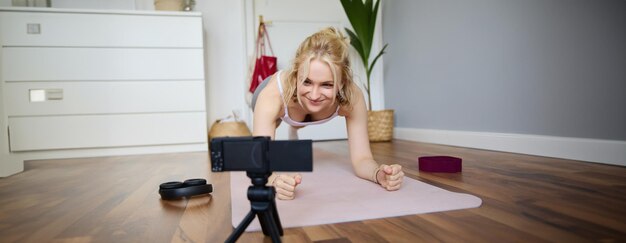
(290, 121)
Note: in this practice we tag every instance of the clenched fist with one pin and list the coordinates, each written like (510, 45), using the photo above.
(286, 184)
(390, 176)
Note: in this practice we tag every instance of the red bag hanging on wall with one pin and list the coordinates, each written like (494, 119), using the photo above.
(265, 65)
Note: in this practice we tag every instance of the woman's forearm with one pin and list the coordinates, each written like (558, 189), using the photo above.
(366, 169)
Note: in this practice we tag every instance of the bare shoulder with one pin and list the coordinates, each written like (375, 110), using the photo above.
(269, 97)
(268, 109)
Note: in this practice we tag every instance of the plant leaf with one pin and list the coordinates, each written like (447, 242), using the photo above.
(356, 43)
(362, 16)
(382, 51)
(359, 17)
(372, 22)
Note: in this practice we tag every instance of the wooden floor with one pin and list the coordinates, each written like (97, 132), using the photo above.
(115, 199)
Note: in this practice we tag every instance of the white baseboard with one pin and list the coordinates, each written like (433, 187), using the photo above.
(591, 150)
(116, 151)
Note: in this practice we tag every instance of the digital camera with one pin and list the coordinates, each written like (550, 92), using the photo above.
(260, 154)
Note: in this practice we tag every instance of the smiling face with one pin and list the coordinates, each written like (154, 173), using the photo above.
(320, 77)
(317, 92)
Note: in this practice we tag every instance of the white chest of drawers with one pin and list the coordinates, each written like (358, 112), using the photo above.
(117, 83)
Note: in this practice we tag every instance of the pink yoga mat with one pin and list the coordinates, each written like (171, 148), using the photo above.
(333, 194)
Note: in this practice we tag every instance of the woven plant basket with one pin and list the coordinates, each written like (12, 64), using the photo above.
(228, 129)
(380, 125)
(169, 5)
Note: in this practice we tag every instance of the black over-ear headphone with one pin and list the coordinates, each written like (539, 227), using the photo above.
(175, 189)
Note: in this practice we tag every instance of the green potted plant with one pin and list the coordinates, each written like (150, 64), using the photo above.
(362, 16)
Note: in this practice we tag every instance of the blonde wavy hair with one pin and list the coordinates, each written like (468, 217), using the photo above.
(328, 45)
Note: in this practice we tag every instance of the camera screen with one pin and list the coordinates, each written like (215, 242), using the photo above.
(260, 154)
(293, 155)
(244, 155)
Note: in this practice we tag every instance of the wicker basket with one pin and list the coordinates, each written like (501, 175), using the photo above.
(169, 5)
(380, 125)
(228, 129)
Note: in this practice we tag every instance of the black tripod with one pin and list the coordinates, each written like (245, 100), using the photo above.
(263, 205)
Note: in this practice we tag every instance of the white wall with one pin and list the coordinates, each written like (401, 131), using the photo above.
(225, 55)
(546, 75)
(225, 60)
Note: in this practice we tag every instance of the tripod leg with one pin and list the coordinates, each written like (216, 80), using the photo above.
(241, 227)
(263, 221)
(269, 225)
(274, 213)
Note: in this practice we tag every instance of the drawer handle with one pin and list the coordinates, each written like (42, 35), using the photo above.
(33, 29)
(41, 95)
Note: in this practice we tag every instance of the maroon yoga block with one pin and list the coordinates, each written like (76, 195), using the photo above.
(439, 164)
